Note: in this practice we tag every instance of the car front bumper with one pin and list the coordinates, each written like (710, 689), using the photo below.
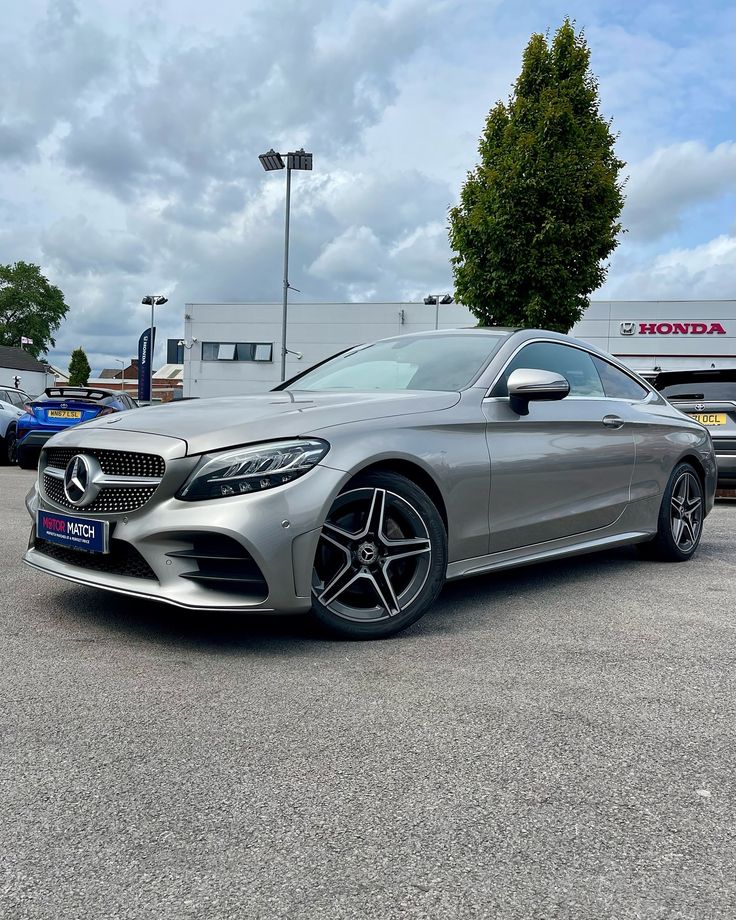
(277, 531)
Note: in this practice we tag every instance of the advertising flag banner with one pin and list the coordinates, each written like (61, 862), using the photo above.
(145, 351)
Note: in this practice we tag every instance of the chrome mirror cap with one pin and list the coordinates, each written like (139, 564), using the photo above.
(526, 384)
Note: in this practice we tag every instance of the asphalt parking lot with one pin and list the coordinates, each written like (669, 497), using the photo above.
(553, 742)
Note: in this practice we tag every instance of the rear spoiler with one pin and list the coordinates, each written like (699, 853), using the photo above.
(79, 392)
(709, 375)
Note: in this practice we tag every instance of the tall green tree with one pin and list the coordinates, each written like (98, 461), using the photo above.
(30, 306)
(538, 216)
(79, 369)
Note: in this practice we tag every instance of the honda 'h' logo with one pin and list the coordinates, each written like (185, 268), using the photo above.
(628, 328)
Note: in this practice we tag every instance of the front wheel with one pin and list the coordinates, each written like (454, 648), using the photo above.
(381, 559)
(680, 522)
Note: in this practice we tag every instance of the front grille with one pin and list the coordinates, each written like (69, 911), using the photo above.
(109, 501)
(113, 462)
(222, 563)
(123, 559)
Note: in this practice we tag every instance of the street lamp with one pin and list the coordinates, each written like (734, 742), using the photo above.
(435, 300)
(152, 300)
(270, 161)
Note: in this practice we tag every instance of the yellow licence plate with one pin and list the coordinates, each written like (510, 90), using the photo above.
(63, 413)
(709, 418)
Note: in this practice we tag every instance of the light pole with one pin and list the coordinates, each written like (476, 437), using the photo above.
(271, 161)
(154, 300)
(435, 300)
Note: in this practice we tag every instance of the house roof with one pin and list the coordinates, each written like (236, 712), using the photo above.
(18, 359)
(170, 372)
(109, 372)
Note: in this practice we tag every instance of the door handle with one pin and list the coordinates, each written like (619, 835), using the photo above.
(613, 421)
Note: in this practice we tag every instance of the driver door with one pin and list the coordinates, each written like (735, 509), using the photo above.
(565, 468)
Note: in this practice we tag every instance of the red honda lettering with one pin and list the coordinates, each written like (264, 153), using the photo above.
(664, 328)
(680, 328)
(697, 328)
(647, 328)
(717, 328)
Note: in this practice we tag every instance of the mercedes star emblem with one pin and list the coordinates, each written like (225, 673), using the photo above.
(77, 476)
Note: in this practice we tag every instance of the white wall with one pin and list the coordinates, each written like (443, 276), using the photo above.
(31, 382)
(602, 326)
(315, 330)
(320, 330)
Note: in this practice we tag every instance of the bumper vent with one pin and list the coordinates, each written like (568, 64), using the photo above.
(113, 462)
(123, 559)
(724, 445)
(109, 501)
(222, 564)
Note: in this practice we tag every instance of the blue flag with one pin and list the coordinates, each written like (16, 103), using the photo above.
(145, 356)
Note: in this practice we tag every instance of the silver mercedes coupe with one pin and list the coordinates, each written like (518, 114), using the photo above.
(357, 488)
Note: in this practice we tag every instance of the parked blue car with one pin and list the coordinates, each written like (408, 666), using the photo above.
(59, 408)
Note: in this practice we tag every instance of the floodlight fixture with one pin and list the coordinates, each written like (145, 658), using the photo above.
(299, 160)
(434, 300)
(152, 301)
(271, 160)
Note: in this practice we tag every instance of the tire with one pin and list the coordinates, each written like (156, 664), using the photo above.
(7, 447)
(381, 560)
(27, 460)
(680, 521)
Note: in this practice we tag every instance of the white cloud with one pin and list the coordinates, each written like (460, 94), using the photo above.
(673, 179)
(705, 272)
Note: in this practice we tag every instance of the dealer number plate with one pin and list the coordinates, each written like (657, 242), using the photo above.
(80, 533)
(64, 413)
(710, 418)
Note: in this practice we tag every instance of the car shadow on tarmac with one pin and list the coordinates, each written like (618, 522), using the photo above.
(459, 605)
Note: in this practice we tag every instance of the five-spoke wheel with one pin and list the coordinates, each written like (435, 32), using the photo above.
(381, 558)
(680, 520)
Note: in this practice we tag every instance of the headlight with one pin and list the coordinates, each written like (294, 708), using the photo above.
(251, 469)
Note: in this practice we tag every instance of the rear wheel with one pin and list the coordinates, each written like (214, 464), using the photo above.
(7, 447)
(381, 559)
(680, 523)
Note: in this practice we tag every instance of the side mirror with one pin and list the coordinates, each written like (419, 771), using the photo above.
(528, 384)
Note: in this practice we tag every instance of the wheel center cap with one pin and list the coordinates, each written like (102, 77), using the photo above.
(367, 553)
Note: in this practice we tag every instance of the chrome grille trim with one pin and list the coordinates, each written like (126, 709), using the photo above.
(109, 501)
(127, 482)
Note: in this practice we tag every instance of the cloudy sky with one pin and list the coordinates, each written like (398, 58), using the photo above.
(129, 136)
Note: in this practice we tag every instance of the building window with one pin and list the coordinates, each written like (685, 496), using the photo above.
(237, 351)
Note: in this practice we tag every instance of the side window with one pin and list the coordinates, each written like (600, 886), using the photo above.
(616, 384)
(576, 367)
(4, 396)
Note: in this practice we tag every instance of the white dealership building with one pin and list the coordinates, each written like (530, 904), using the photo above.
(233, 348)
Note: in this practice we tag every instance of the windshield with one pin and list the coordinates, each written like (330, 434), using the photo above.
(421, 362)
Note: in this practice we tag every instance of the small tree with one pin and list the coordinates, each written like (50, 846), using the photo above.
(539, 213)
(30, 307)
(79, 369)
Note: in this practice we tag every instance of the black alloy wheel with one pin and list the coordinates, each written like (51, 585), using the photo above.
(680, 523)
(381, 559)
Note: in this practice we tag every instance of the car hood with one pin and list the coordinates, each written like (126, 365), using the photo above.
(215, 424)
